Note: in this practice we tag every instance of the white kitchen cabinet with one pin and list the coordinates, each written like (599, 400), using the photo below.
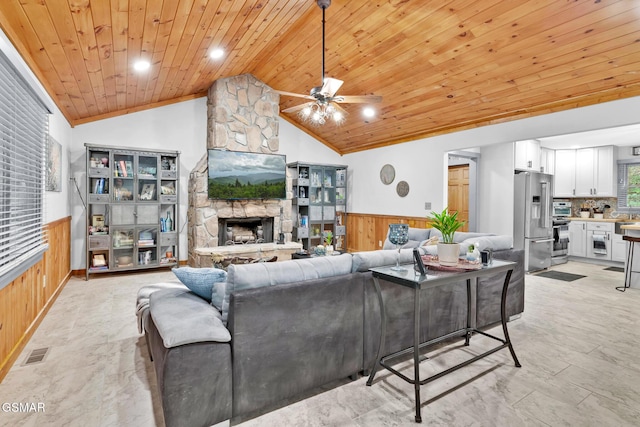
(547, 161)
(587, 172)
(578, 238)
(596, 172)
(565, 173)
(599, 240)
(527, 155)
(606, 172)
(618, 248)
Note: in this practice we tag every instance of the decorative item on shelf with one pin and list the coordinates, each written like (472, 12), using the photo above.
(447, 223)
(168, 222)
(398, 235)
(320, 250)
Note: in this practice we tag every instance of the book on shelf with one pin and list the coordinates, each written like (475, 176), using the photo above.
(123, 168)
(99, 186)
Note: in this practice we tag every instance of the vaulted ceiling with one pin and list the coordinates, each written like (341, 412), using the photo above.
(440, 65)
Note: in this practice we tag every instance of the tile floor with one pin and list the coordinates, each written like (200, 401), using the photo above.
(578, 343)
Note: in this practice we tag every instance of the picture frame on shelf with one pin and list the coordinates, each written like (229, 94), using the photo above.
(98, 260)
(147, 191)
(97, 221)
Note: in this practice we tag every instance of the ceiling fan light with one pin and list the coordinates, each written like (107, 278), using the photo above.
(338, 117)
(306, 111)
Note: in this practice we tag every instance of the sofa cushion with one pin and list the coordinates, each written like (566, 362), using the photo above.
(363, 261)
(496, 243)
(257, 275)
(200, 280)
(184, 318)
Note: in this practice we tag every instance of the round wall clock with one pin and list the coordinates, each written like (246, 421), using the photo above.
(387, 174)
(402, 188)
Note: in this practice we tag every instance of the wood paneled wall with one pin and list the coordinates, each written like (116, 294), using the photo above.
(26, 300)
(366, 232)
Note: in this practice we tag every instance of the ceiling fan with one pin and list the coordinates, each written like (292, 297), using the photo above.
(324, 104)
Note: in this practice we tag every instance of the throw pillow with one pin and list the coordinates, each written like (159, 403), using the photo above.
(200, 281)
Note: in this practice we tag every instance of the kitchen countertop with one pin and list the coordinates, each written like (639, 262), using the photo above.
(577, 218)
(630, 226)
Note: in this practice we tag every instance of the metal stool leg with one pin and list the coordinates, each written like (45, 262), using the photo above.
(627, 273)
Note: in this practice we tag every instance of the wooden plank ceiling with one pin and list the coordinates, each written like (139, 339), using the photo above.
(440, 65)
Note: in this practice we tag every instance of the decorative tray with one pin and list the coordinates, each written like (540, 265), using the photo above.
(431, 261)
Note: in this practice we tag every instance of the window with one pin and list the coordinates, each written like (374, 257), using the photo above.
(23, 131)
(628, 185)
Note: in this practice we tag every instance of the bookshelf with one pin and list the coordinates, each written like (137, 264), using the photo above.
(132, 209)
(319, 204)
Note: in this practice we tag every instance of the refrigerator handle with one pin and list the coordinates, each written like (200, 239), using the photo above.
(546, 206)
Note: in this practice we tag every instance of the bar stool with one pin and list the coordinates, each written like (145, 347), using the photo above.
(629, 267)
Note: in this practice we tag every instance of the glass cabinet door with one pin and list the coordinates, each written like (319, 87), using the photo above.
(123, 178)
(147, 178)
(123, 247)
(147, 246)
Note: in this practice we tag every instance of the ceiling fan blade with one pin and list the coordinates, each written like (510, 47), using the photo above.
(330, 86)
(297, 95)
(296, 108)
(358, 99)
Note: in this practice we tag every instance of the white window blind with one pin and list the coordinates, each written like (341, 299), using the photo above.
(24, 127)
(628, 185)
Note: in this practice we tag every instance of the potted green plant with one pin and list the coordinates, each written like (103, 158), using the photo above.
(328, 238)
(447, 223)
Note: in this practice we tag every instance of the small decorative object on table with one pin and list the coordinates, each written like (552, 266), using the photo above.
(473, 254)
(398, 235)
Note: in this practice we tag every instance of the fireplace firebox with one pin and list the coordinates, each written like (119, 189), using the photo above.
(238, 231)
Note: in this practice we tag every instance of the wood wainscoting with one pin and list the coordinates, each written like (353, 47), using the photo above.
(25, 301)
(367, 232)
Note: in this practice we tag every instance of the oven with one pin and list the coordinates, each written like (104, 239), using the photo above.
(561, 209)
(560, 241)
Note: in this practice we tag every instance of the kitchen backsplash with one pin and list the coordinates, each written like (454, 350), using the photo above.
(600, 203)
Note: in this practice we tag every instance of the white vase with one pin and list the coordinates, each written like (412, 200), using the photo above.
(448, 253)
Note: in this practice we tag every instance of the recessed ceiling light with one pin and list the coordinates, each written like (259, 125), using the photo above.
(216, 53)
(141, 65)
(368, 112)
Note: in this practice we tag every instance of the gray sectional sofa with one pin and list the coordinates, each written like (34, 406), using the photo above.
(286, 328)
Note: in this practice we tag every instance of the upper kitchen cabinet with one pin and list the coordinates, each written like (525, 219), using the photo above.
(547, 161)
(596, 172)
(587, 172)
(527, 155)
(565, 173)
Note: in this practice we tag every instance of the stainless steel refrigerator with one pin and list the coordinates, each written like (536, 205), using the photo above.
(532, 222)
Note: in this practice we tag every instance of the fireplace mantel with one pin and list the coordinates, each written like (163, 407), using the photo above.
(251, 250)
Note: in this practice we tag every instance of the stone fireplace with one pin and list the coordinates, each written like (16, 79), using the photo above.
(242, 115)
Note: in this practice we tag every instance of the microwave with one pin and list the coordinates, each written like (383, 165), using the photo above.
(561, 209)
